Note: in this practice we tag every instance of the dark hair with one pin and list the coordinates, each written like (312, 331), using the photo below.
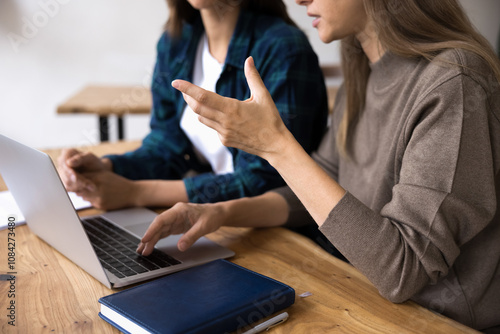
(181, 11)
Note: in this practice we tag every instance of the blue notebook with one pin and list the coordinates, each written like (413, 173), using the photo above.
(217, 297)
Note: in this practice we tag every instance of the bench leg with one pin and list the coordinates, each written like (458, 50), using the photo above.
(121, 133)
(104, 128)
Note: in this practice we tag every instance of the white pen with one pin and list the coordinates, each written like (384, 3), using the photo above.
(280, 318)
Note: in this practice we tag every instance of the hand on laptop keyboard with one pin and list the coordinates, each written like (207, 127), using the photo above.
(115, 249)
(195, 220)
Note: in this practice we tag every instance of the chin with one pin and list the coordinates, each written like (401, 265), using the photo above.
(327, 38)
(200, 4)
(331, 35)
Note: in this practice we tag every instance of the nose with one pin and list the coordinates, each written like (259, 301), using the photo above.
(303, 2)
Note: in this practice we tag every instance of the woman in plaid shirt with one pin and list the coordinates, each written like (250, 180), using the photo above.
(206, 42)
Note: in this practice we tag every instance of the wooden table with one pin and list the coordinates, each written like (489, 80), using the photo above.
(105, 101)
(53, 295)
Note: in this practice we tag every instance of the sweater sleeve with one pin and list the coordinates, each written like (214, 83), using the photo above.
(444, 197)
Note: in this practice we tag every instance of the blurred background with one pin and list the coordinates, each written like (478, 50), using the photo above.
(50, 49)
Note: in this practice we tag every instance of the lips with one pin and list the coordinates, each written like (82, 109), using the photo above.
(316, 19)
(315, 22)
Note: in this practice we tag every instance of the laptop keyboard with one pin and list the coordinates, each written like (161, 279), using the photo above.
(116, 249)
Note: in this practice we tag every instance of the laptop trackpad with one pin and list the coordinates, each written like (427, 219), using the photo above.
(138, 220)
(138, 230)
(170, 242)
(135, 220)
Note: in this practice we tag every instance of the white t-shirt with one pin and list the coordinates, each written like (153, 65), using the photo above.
(205, 140)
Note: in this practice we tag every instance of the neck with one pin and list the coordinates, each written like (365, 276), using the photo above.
(220, 22)
(368, 38)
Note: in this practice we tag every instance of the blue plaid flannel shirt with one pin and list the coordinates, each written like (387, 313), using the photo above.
(290, 70)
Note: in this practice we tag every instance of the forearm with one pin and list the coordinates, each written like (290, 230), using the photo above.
(267, 210)
(317, 191)
(161, 193)
(397, 259)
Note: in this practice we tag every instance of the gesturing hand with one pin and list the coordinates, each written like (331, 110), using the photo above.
(254, 125)
(195, 220)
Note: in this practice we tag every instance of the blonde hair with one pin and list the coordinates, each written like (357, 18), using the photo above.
(409, 28)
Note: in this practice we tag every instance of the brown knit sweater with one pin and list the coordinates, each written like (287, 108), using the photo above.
(420, 218)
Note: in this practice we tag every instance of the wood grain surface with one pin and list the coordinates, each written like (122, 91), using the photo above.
(53, 295)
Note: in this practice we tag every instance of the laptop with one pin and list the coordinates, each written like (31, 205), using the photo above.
(39, 192)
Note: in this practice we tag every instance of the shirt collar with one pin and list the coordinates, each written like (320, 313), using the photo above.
(191, 34)
(240, 43)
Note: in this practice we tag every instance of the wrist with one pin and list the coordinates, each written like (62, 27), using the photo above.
(225, 212)
(137, 193)
(285, 148)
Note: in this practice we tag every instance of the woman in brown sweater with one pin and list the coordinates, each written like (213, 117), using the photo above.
(406, 182)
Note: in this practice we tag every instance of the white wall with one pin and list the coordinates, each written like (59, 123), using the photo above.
(485, 15)
(71, 43)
